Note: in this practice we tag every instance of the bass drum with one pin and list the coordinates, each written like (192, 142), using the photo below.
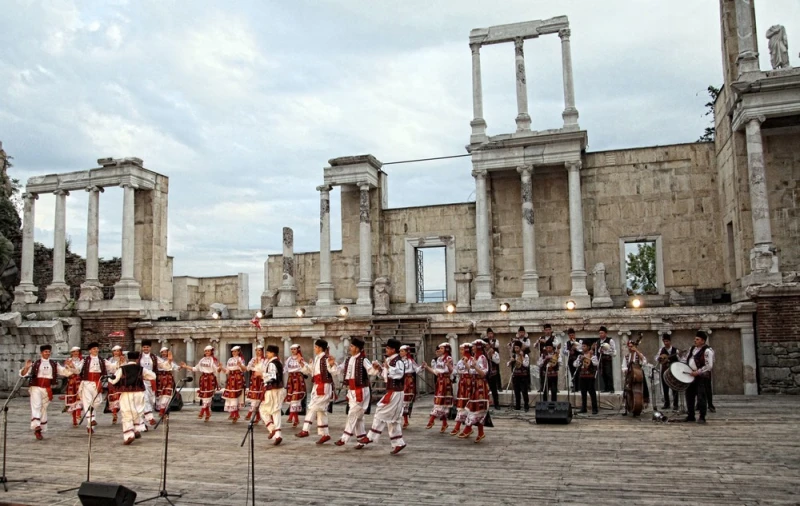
(678, 376)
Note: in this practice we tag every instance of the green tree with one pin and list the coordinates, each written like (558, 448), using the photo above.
(710, 133)
(641, 269)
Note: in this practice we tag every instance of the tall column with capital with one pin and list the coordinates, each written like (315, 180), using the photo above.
(570, 113)
(325, 291)
(91, 287)
(365, 248)
(523, 119)
(530, 278)
(287, 345)
(189, 349)
(287, 293)
(764, 264)
(748, 48)
(58, 290)
(478, 124)
(578, 273)
(25, 293)
(127, 288)
(483, 280)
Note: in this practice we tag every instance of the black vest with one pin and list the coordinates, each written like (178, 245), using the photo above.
(35, 371)
(392, 384)
(361, 377)
(85, 368)
(699, 357)
(132, 378)
(278, 381)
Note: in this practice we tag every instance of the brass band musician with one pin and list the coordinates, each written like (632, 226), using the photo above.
(549, 363)
(520, 365)
(587, 363)
(665, 356)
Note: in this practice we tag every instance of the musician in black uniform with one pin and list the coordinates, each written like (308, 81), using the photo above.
(701, 360)
(606, 356)
(544, 341)
(493, 376)
(572, 350)
(520, 364)
(666, 356)
(587, 363)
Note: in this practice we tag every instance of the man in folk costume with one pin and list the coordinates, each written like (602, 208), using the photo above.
(356, 370)
(635, 356)
(255, 392)
(549, 364)
(271, 372)
(495, 382)
(295, 383)
(478, 405)
(91, 372)
(571, 352)
(442, 368)
(665, 356)
(390, 408)
(321, 392)
(234, 384)
(112, 364)
(587, 364)
(72, 397)
(130, 381)
(548, 339)
(149, 361)
(701, 360)
(520, 365)
(606, 351)
(208, 367)
(165, 380)
(409, 381)
(464, 390)
(44, 374)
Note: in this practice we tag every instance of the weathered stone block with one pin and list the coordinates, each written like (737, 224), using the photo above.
(775, 373)
(778, 350)
(10, 319)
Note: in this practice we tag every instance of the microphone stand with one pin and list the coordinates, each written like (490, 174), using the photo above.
(165, 418)
(4, 479)
(249, 433)
(89, 412)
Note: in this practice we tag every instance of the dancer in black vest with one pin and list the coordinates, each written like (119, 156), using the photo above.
(587, 363)
(665, 356)
(701, 361)
(356, 370)
(130, 383)
(44, 376)
(520, 364)
(274, 393)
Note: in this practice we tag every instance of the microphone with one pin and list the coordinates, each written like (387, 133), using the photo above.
(187, 379)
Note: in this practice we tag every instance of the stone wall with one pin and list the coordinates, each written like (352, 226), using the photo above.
(75, 270)
(197, 294)
(98, 330)
(782, 161)
(778, 333)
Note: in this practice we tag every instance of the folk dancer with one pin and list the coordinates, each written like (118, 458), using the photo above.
(606, 351)
(91, 372)
(165, 381)
(112, 364)
(520, 365)
(464, 391)
(390, 408)
(355, 370)
(130, 380)
(234, 384)
(44, 374)
(271, 372)
(208, 367)
(701, 360)
(495, 383)
(665, 356)
(571, 352)
(72, 397)
(295, 383)
(549, 364)
(635, 356)
(321, 393)
(587, 364)
(149, 361)
(409, 381)
(442, 368)
(478, 405)
(255, 392)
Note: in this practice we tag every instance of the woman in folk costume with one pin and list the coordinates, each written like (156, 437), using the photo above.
(72, 399)
(295, 384)
(166, 381)
(464, 392)
(255, 393)
(409, 381)
(208, 366)
(234, 385)
(478, 404)
(112, 364)
(442, 368)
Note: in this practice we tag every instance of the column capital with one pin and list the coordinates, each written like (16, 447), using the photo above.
(525, 170)
(188, 340)
(564, 33)
(363, 186)
(759, 118)
(61, 192)
(475, 47)
(325, 188)
(286, 339)
(481, 173)
(574, 165)
(92, 189)
(518, 42)
(129, 184)
(30, 196)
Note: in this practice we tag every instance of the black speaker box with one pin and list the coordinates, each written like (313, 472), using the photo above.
(217, 403)
(95, 493)
(553, 412)
(177, 403)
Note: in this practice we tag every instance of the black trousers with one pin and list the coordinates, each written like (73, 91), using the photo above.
(666, 389)
(573, 377)
(696, 394)
(587, 387)
(551, 387)
(494, 386)
(607, 374)
(541, 380)
(521, 386)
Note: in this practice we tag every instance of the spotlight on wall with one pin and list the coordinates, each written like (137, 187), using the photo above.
(571, 305)
(260, 314)
(216, 315)
(344, 311)
(505, 306)
(300, 312)
(450, 307)
(636, 303)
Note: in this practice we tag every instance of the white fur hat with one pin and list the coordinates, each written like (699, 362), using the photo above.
(208, 348)
(75, 348)
(117, 347)
(236, 348)
(164, 348)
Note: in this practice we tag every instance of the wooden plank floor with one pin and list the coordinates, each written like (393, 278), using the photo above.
(748, 453)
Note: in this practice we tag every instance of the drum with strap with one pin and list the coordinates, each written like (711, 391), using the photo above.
(678, 376)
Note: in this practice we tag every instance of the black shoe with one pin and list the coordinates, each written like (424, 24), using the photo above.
(702, 420)
(689, 419)
(527, 409)
(594, 411)
(665, 406)
(516, 408)
(583, 411)
(675, 408)
(712, 409)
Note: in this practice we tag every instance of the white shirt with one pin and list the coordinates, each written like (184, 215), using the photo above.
(167, 365)
(637, 359)
(442, 365)
(709, 356)
(480, 364)
(395, 371)
(114, 363)
(542, 358)
(94, 364)
(314, 368)
(350, 373)
(146, 362)
(256, 363)
(612, 352)
(45, 371)
(206, 365)
(293, 364)
(526, 361)
(579, 361)
(268, 370)
(234, 364)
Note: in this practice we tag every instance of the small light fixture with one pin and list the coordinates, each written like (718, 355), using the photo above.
(344, 311)
(216, 315)
(300, 312)
(505, 306)
(571, 305)
(450, 308)
(260, 314)
(636, 303)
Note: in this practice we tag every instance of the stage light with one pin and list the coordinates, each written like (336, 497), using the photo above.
(505, 306)
(216, 315)
(300, 312)
(344, 311)
(260, 314)
(450, 308)
(571, 305)
(636, 303)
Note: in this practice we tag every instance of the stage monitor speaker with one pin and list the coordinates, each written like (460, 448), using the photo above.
(177, 403)
(94, 493)
(217, 403)
(553, 412)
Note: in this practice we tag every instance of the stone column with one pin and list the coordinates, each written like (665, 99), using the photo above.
(25, 292)
(127, 288)
(345, 340)
(570, 113)
(463, 280)
(189, 351)
(325, 291)
(91, 288)
(748, 51)
(578, 273)
(483, 280)
(478, 124)
(764, 264)
(365, 248)
(58, 290)
(287, 345)
(749, 365)
(530, 278)
(288, 291)
(452, 338)
(523, 119)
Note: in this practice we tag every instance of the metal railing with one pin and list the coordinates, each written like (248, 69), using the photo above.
(433, 296)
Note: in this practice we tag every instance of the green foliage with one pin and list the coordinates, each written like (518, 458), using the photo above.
(641, 269)
(710, 132)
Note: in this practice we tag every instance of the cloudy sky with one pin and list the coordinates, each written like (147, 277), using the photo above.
(242, 103)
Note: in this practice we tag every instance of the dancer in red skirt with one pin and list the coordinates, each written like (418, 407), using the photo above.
(464, 392)
(234, 385)
(411, 369)
(255, 394)
(112, 364)
(166, 381)
(442, 368)
(72, 399)
(208, 366)
(478, 404)
(295, 384)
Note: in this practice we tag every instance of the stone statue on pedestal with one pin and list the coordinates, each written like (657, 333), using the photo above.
(601, 297)
(778, 47)
(381, 294)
